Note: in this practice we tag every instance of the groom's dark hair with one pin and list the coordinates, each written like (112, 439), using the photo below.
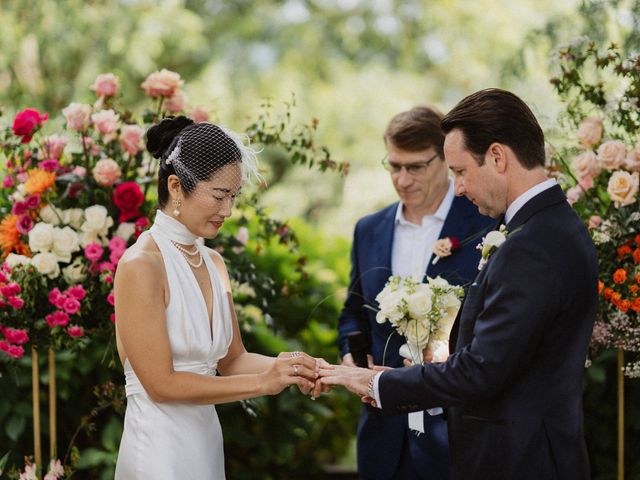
(495, 115)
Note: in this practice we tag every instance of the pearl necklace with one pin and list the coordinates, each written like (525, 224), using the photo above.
(186, 254)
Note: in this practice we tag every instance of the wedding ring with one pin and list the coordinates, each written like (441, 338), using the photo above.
(295, 370)
(295, 354)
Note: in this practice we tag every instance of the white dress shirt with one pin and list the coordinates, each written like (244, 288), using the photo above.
(515, 206)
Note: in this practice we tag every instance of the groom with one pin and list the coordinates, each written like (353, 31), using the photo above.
(513, 384)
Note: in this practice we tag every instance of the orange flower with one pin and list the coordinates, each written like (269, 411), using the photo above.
(624, 305)
(633, 288)
(39, 181)
(608, 293)
(636, 255)
(635, 305)
(10, 237)
(620, 276)
(600, 286)
(624, 250)
(637, 240)
(615, 298)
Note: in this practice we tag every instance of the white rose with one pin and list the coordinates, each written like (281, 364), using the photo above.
(75, 273)
(389, 307)
(65, 242)
(419, 303)
(41, 237)
(14, 259)
(438, 282)
(612, 154)
(46, 264)
(73, 217)
(125, 230)
(95, 219)
(417, 332)
(89, 237)
(51, 215)
(622, 188)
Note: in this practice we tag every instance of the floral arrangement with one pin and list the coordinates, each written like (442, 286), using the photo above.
(600, 170)
(422, 312)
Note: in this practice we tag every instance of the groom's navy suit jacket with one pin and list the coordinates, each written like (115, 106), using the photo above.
(381, 437)
(514, 381)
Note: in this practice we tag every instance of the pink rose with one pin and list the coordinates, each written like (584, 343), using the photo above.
(16, 302)
(113, 318)
(586, 182)
(10, 289)
(106, 267)
(78, 116)
(595, 221)
(574, 194)
(106, 172)
(177, 102)
(92, 147)
(79, 171)
(57, 319)
(117, 244)
(53, 146)
(50, 165)
(25, 224)
(27, 122)
(586, 164)
(54, 295)
(131, 138)
(612, 154)
(71, 305)
(18, 336)
(632, 162)
(106, 85)
(93, 252)
(8, 182)
(162, 84)
(14, 351)
(19, 208)
(77, 291)
(111, 298)
(199, 115)
(623, 187)
(105, 121)
(590, 132)
(140, 226)
(75, 331)
(114, 257)
(32, 201)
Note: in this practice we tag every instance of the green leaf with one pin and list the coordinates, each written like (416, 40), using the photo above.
(15, 426)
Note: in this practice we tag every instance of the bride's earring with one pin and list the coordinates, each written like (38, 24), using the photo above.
(176, 205)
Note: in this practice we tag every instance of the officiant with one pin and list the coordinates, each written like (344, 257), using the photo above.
(400, 240)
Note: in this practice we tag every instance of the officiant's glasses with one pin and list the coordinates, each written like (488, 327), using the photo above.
(413, 169)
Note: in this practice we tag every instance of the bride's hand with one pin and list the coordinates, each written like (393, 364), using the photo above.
(287, 369)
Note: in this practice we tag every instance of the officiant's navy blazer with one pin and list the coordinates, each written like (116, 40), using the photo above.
(381, 437)
(514, 383)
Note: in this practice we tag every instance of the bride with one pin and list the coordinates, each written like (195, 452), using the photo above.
(177, 334)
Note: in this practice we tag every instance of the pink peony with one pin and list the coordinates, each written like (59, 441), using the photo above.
(75, 331)
(105, 121)
(131, 138)
(106, 85)
(106, 172)
(27, 122)
(53, 146)
(199, 115)
(25, 224)
(77, 291)
(71, 305)
(162, 84)
(177, 102)
(93, 252)
(78, 116)
(18, 336)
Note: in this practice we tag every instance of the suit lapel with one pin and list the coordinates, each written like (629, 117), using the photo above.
(544, 199)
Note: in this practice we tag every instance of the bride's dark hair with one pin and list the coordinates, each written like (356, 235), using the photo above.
(192, 151)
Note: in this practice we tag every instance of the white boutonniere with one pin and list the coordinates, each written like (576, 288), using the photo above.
(491, 243)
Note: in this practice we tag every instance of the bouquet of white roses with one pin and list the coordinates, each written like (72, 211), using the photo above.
(422, 312)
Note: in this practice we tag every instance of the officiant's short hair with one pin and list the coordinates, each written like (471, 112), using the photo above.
(495, 115)
(416, 129)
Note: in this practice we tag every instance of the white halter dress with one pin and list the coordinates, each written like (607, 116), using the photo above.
(179, 441)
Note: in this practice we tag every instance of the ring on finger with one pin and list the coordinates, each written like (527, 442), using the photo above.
(295, 370)
(295, 354)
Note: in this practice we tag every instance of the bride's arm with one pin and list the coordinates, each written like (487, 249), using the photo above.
(141, 323)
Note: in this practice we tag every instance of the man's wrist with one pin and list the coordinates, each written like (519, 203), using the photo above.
(370, 387)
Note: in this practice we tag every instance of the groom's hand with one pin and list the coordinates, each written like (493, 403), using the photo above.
(427, 357)
(355, 379)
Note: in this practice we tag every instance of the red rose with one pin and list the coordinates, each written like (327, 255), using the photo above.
(128, 197)
(141, 224)
(27, 121)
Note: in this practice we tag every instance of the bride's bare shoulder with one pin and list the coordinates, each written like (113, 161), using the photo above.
(143, 257)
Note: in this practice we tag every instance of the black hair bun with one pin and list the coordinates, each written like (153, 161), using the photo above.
(160, 136)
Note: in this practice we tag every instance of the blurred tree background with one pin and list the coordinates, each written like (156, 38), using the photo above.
(351, 64)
